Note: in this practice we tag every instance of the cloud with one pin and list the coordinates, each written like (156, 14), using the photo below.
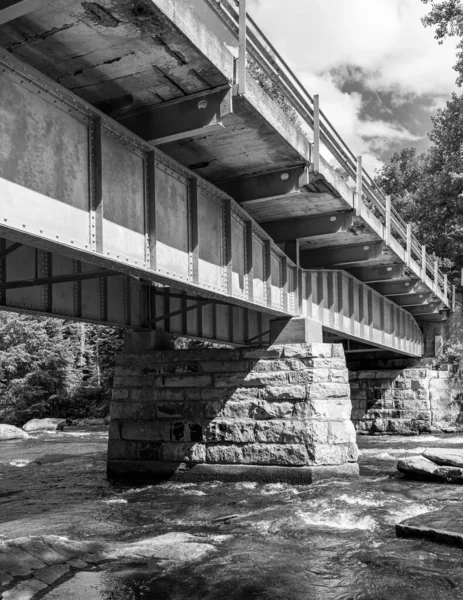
(379, 46)
(379, 72)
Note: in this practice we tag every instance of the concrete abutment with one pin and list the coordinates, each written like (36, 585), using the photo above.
(270, 414)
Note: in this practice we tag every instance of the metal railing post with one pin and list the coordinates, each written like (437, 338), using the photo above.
(409, 244)
(359, 199)
(436, 275)
(454, 297)
(423, 261)
(388, 221)
(242, 49)
(446, 286)
(316, 133)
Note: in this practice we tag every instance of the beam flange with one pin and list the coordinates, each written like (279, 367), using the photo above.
(417, 299)
(12, 9)
(288, 230)
(427, 309)
(190, 116)
(378, 273)
(273, 184)
(438, 317)
(71, 277)
(396, 288)
(341, 255)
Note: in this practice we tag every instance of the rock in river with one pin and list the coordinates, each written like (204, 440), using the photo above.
(419, 466)
(45, 425)
(10, 432)
(445, 456)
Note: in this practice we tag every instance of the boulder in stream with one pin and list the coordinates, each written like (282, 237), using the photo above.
(10, 432)
(49, 424)
(449, 457)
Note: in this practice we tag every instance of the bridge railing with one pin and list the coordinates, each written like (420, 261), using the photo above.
(259, 56)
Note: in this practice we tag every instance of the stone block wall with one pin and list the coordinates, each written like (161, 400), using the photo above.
(406, 397)
(182, 410)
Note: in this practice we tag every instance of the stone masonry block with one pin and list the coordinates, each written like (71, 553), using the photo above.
(341, 432)
(188, 453)
(144, 411)
(275, 454)
(328, 390)
(224, 454)
(146, 430)
(269, 353)
(366, 374)
(239, 366)
(328, 454)
(264, 410)
(283, 432)
(286, 392)
(238, 432)
(284, 364)
(327, 363)
(415, 373)
(134, 450)
(120, 394)
(339, 375)
(307, 350)
(328, 409)
(187, 381)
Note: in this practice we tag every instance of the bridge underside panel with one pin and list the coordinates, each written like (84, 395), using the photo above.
(37, 281)
(82, 193)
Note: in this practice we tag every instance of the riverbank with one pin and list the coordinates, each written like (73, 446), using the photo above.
(333, 540)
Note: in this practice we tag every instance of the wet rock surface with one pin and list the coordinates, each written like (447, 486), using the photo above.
(48, 424)
(444, 465)
(332, 540)
(10, 432)
(443, 526)
(442, 456)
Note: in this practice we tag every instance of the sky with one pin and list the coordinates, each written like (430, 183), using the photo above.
(379, 72)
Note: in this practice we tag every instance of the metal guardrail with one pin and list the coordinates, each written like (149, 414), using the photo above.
(256, 50)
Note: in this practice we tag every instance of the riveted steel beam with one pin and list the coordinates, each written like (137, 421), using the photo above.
(292, 229)
(427, 309)
(378, 273)
(71, 277)
(396, 288)
(438, 317)
(181, 118)
(267, 185)
(417, 299)
(340, 255)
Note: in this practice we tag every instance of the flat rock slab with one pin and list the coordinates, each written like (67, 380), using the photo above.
(444, 526)
(445, 456)
(422, 468)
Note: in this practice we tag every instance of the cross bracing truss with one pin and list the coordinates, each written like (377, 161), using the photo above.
(98, 225)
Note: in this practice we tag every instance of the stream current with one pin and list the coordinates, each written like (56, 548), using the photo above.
(333, 540)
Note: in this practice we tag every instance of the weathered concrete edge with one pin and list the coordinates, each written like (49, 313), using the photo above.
(442, 536)
(200, 36)
(161, 471)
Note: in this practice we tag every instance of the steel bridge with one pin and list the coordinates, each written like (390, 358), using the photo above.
(148, 180)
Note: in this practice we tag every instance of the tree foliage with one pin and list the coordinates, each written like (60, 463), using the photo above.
(428, 188)
(50, 367)
(447, 17)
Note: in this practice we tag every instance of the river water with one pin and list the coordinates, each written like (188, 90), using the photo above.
(332, 540)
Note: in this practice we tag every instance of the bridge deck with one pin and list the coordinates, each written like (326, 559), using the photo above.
(157, 69)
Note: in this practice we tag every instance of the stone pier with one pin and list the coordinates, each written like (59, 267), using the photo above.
(400, 396)
(273, 414)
